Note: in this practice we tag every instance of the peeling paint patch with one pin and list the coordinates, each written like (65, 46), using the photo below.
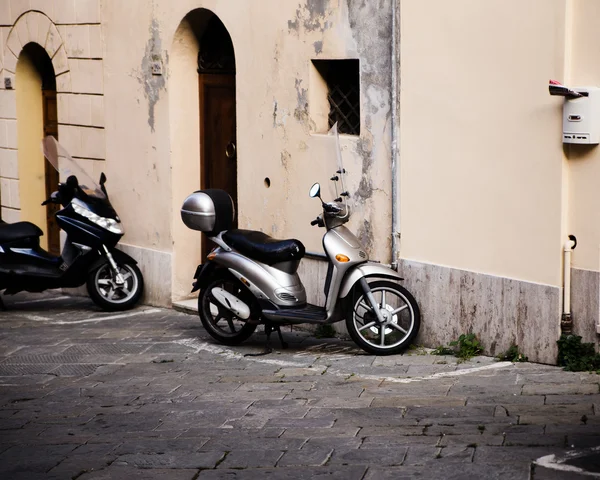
(285, 158)
(279, 118)
(365, 235)
(301, 111)
(365, 152)
(318, 47)
(314, 16)
(294, 25)
(152, 84)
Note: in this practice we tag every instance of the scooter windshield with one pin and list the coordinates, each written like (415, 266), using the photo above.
(335, 165)
(66, 166)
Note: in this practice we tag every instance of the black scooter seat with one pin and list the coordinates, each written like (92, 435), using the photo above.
(10, 232)
(261, 247)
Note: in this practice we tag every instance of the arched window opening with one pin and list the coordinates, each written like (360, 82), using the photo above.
(216, 49)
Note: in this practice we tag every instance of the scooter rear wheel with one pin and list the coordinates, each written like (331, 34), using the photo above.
(399, 310)
(222, 324)
(111, 296)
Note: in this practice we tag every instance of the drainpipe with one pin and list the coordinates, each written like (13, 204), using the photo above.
(395, 170)
(566, 323)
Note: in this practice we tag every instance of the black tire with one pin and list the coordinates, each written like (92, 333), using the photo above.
(107, 294)
(219, 322)
(401, 312)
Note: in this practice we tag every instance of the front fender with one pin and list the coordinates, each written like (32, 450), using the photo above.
(368, 269)
(203, 274)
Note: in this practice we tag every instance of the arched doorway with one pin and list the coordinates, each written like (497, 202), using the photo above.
(36, 118)
(216, 80)
(202, 106)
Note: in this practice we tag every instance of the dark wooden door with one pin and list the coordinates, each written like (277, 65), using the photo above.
(51, 128)
(217, 138)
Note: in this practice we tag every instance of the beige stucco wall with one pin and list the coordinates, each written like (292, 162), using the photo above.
(152, 150)
(584, 161)
(481, 153)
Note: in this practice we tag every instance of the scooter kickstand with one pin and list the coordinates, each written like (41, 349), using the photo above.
(284, 345)
(268, 348)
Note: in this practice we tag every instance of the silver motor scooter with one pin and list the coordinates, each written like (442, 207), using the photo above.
(251, 278)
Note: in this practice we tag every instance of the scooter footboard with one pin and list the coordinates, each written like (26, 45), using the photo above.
(369, 269)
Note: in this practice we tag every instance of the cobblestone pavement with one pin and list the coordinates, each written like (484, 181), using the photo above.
(146, 394)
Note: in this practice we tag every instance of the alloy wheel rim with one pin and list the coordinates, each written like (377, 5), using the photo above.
(109, 289)
(394, 331)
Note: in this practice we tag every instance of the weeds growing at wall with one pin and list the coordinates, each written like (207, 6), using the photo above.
(512, 355)
(467, 346)
(575, 356)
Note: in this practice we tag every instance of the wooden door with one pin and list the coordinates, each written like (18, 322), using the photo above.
(217, 138)
(51, 128)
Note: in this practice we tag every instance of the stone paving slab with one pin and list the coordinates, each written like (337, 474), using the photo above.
(147, 394)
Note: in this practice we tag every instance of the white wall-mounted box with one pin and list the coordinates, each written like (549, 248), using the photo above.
(581, 117)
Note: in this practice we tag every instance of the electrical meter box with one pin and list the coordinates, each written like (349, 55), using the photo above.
(581, 117)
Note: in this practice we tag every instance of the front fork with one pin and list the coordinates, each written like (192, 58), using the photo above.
(374, 305)
(119, 280)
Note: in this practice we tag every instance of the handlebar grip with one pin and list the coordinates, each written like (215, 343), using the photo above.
(314, 222)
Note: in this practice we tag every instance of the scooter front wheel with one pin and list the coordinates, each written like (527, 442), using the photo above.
(111, 295)
(399, 311)
(222, 324)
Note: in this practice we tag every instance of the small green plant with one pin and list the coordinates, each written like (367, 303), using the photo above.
(468, 346)
(512, 355)
(575, 356)
(324, 331)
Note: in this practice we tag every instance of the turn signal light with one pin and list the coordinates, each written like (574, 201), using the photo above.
(342, 258)
(211, 255)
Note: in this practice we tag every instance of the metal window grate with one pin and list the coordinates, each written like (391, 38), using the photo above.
(344, 108)
(342, 78)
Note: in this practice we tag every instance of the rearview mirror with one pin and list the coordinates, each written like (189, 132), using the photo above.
(315, 190)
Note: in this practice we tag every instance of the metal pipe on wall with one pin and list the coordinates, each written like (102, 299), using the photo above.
(394, 146)
(566, 322)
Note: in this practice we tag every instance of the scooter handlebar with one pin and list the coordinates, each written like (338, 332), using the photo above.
(318, 221)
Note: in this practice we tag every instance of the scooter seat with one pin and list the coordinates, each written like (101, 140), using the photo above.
(261, 247)
(10, 232)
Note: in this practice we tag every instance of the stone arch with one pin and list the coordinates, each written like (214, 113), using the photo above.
(32, 29)
(35, 27)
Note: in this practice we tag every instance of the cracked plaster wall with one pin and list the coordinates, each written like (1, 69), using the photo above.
(276, 136)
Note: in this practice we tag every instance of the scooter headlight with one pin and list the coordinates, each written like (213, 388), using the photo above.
(109, 224)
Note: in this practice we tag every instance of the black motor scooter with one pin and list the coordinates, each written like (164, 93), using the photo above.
(89, 256)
